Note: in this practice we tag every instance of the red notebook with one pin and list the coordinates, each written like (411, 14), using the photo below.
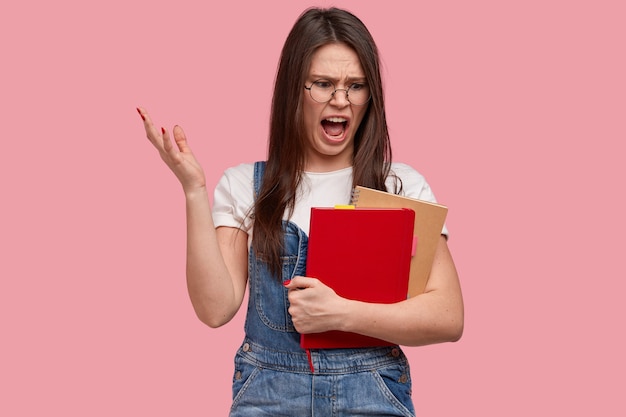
(363, 254)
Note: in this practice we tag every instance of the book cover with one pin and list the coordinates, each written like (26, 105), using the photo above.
(363, 254)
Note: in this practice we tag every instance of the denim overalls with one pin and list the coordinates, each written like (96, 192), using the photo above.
(274, 376)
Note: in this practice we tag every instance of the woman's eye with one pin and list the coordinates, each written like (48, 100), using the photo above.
(323, 84)
(357, 86)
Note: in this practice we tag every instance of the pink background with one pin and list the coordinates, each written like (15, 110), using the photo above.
(514, 111)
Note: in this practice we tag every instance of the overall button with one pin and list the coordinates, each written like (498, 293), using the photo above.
(395, 352)
(246, 347)
(238, 375)
(403, 379)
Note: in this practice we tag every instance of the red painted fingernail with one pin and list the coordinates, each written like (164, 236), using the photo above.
(163, 130)
(287, 282)
(139, 111)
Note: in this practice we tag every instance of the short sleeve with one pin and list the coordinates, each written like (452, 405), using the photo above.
(233, 198)
(413, 185)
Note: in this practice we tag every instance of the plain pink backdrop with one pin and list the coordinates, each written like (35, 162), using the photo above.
(514, 111)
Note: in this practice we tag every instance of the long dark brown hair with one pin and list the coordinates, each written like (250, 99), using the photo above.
(287, 139)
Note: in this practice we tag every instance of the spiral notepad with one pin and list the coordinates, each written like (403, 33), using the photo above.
(429, 221)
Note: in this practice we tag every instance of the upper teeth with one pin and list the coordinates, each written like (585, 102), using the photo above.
(336, 119)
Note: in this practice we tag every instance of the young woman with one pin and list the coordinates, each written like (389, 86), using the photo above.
(328, 133)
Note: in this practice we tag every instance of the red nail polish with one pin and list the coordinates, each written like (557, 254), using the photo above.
(163, 130)
(287, 282)
(139, 111)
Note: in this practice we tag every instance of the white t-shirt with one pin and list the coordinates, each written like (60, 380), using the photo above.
(234, 193)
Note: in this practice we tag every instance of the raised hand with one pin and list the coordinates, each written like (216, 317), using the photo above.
(178, 158)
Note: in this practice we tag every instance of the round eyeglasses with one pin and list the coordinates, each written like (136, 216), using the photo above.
(323, 91)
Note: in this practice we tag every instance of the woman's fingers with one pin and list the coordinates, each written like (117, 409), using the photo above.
(181, 139)
(167, 143)
(152, 133)
(178, 158)
(140, 111)
(161, 140)
(172, 155)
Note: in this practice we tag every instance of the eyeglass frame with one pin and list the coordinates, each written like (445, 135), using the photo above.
(346, 90)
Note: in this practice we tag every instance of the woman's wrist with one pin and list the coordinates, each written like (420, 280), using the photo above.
(345, 319)
(195, 193)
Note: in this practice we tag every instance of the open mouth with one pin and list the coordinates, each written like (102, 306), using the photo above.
(335, 127)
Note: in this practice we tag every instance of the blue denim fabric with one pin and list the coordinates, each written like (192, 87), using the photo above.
(273, 376)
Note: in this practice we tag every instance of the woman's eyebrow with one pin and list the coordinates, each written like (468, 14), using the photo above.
(336, 80)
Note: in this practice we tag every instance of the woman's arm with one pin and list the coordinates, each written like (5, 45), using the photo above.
(432, 317)
(216, 259)
(217, 264)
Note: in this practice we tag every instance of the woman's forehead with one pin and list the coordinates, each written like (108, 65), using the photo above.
(336, 62)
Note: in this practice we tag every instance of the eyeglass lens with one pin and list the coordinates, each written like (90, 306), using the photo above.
(323, 91)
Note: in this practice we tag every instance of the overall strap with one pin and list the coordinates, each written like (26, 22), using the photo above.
(259, 169)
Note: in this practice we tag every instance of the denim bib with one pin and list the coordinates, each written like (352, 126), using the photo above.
(268, 322)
